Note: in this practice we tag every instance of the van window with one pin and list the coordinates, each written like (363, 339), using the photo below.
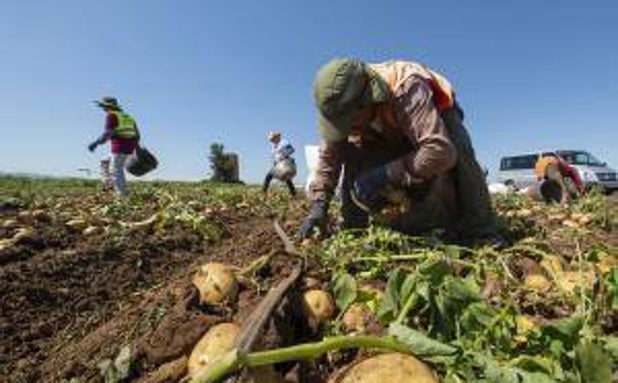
(577, 157)
(518, 162)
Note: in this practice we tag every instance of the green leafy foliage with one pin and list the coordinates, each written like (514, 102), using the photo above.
(344, 287)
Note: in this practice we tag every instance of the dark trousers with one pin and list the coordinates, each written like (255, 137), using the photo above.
(269, 177)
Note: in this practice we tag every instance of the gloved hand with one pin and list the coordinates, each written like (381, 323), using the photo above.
(317, 218)
(93, 146)
(367, 187)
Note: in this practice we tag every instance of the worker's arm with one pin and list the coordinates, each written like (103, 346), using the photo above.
(422, 124)
(283, 150)
(111, 121)
(327, 174)
(569, 171)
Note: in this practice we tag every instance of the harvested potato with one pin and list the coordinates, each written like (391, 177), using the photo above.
(216, 282)
(215, 343)
(318, 305)
(10, 224)
(387, 368)
(6, 243)
(537, 283)
(570, 223)
(552, 264)
(570, 281)
(606, 264)
(23, 234)
(91, 230)
(77, 224)
(356, 317)
(524, 213)
(525, 324)
(585, 219)
(145, 224)
(40, 215)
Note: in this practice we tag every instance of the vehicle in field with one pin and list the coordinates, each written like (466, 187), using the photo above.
(518, 170)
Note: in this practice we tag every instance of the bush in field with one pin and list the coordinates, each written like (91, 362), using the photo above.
(222, 165)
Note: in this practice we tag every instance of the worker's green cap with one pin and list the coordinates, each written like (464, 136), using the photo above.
(342, 87)
(108, 102)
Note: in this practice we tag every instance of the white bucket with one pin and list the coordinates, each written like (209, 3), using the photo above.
(312, 153)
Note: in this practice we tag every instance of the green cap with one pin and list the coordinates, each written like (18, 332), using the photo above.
(342, 87)
(108, 102)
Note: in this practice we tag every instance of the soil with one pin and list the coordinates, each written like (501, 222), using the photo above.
(70, 301)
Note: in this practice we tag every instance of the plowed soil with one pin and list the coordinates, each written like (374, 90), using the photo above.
(68, 301)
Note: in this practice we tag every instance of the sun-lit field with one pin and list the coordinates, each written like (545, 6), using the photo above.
(96, 289)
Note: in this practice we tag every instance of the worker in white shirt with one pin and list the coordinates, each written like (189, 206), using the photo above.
(284, 166)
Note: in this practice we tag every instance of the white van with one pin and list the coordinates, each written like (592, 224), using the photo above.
(518, 170)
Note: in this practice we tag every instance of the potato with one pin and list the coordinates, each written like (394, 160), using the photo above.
(585, 219)
(537, 283)
(10, 224)
(40, 215)
(524, 213)
(552, 264)
(23, 234)
(387, 368)
(216, 282)
(77, 224)
(570, 223)
(318, 305)
(355, 318)
(606, 264)
(569, 281)
(6, 243)
(91, 230)
(216, 342)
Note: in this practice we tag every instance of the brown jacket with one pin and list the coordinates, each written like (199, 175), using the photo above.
(410, 119)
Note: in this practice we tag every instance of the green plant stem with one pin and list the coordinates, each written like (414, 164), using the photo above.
(233, 361)
(406, 308)
(400, 257)
(314, 350)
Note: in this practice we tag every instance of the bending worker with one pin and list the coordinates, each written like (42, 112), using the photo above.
(284, 167)
(396, 126)
(121, 130)
(552, 173)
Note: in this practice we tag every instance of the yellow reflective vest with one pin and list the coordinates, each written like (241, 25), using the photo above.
(126, 128)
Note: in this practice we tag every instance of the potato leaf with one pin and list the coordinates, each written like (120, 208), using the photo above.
(594, 364)
(566, 330)
(344, 287)
(423, 346)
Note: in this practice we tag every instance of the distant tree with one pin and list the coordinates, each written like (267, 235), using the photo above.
(221, 164)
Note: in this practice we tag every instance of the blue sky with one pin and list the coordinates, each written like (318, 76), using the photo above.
(529, 74)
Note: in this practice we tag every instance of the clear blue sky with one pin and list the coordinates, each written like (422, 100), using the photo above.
(529, 74)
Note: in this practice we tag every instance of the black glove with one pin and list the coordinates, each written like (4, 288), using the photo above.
(93, 146)
(367, 187)
(317, 218)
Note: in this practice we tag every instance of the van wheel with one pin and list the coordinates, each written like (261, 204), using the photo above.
(509, 183)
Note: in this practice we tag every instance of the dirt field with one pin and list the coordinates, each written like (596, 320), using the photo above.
(71, 300)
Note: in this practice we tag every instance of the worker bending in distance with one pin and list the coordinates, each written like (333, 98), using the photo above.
(558, 181)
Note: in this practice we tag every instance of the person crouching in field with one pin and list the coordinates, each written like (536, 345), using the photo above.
(123, 134)
(284, 167)
(395, 129)
(558, 181)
